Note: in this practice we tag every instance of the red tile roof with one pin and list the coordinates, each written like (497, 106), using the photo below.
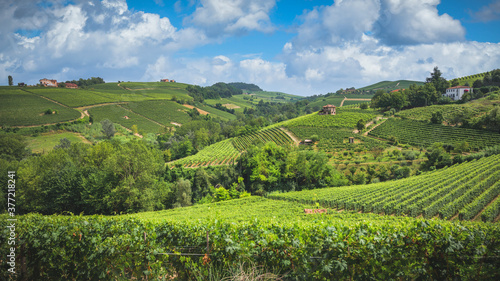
(329, 105)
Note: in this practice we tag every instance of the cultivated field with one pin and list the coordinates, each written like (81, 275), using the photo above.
(424, 134)
(19, 108)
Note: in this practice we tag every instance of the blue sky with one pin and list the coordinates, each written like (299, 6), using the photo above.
(299, 47)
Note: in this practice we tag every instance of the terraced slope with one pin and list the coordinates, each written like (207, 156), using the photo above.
(424, 134)
(463, 190)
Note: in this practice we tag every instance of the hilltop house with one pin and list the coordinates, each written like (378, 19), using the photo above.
(164, 80)
(328, 110)
(456, 93)
(71, 86)
(48, 82)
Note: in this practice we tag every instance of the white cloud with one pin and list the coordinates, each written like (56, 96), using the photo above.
(233, 17)
(415, 22)
(488, 13)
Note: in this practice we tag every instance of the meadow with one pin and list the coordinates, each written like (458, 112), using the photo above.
(47, 141)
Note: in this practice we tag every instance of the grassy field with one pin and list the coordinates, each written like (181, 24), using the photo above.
(116, 114)
(46, 141)
(19, 108)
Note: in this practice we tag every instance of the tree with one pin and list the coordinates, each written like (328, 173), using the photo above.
(134, 129)
(440, 84)
(11, 82)
(360, 125)
(363, 105)
(437, 117)
(108, 128)
(183, 193)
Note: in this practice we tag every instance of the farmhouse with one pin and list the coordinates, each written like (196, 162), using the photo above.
(164, 80)
(328, 110)
(456, 93)
(48, 82)
(71, 86)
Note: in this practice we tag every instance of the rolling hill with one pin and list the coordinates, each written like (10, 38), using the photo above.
(391, 85)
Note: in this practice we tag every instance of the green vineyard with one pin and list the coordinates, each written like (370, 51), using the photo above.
(424, 134)
(190, 243)
(220, 153)
(268, 135)
(345, 118)
(463, 190)
(336, 139)
(425, 113)
(227, 151)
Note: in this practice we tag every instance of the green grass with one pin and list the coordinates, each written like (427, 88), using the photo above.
(18, 108)
(161, 111)
(46, 141)
(391, 85)
(116, 114)
(74, 97)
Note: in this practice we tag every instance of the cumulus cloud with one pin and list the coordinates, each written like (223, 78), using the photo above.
(233, 17)
(488, 13)
(394, 22)
(92, 37)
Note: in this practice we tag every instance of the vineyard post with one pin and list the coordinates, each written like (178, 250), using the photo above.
(208, 239)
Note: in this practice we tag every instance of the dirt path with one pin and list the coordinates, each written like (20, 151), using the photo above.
(292, 136)
(202, 112)
(160, 124)
(176, 124)
(478, 216)
(346, 99)
(378, 124)
(96, 105)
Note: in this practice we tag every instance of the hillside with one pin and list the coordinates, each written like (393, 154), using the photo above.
(391, 85)
(463, 190)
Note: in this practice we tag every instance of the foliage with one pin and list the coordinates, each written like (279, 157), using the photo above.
(437, 118)
(87, 82)
(108, 128)
(245, 86)
(270, 167)
(104, 178)
(216, 91)
(12, 147)
(11, 81)
(274, 234)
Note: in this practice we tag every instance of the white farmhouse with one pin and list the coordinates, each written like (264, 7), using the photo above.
(456, 93)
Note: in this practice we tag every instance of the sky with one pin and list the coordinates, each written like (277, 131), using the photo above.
(300, 47)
